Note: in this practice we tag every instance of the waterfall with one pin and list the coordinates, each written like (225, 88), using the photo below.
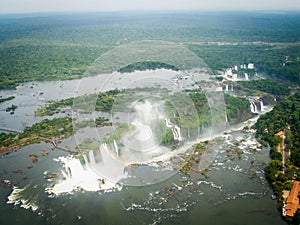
(226, 88)
(246, 76)
(253, 106)
(226, 119)
(175, 130)
(231, 87)
(85, 159)
(104, 145)
(92, 157)
(66, 172)
(69, 172)
(116, 148)
(261, 106)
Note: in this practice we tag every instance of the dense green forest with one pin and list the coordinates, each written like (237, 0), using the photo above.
(142, 66)
(58, 46)
(281, 61)
(28, 62)
(284, 117)
(267, 86)
(237, 109)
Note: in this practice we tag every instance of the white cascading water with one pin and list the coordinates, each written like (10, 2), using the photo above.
(253, 106)
(261, 106)
(92, 157)
(226, 88)
(104, 146)
(226, 119)
(84, 177)
(246, 76)
(66, 173)
(116, 148)
(104, 169)
(85, 159)
(141, 137)
(175, 130)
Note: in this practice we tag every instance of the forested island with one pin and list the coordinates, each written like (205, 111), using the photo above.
(50, 131)
(150, 65)
(6, 99)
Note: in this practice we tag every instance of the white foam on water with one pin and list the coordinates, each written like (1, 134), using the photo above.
(80, 178)
(16, 198)
(210, 183)
(250, 142)
(247, 193)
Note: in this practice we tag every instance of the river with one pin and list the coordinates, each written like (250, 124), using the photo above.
(234, 191)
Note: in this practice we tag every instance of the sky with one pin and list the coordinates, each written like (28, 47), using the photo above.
(26, 6)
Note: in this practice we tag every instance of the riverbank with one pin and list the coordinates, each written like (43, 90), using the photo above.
(280, 130)
(49, 131)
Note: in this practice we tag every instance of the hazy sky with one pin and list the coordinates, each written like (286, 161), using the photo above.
(21, 6)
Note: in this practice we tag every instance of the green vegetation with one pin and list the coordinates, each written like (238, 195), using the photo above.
(176, 104)
(105, 100)
(237, 109)
(58, 46)
(200, 102)
(142, 66)
(267, 86)
(168, 139)
(45, 130)
(101, 102)
(121, 129)
(52, 107)
(98, 122)
(88, 144)
(31, 61)
(11, 109)
(284, 117)
(6, 99)
(277, 61)
(101, 121)
(188, 163)
(50, 128)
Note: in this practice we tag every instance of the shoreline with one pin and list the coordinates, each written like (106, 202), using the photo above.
(7, 150)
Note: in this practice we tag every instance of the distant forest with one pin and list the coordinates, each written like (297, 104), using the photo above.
(62, 46)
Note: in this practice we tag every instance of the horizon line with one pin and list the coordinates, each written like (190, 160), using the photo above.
(275, 11)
